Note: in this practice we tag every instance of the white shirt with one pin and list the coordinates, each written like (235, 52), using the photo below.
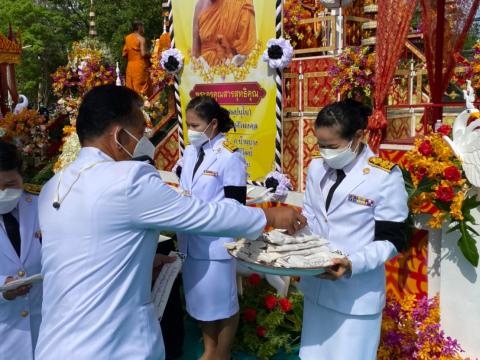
(98, 250)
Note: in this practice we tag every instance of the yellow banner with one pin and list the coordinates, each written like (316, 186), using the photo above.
(222, 43)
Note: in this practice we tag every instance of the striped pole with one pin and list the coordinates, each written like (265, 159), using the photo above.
(278, 81)
(176, 85)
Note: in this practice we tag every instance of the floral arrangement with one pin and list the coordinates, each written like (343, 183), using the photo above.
(294, 11)
(436, 185)
(28, 130)
(208, 73)
(279, 183)
(172, 61)
(354, 72)
(279, 53)
(411, 330)
(268, 323)
(89, 65)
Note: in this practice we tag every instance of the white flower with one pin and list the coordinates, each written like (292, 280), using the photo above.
(279, 53)
(172, 61)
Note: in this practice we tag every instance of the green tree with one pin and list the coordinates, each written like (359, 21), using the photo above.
(48, 28)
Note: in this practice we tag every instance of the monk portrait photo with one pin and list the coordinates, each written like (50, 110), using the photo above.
(224, 31)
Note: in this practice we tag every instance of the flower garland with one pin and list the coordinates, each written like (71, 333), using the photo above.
(411, 330)
(70, 148)
(436, 185)
(239, 73)
(279, 53)
(172, 61)
(354, 72)
(268, 323)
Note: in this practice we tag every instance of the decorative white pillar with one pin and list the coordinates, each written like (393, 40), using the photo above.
(460, 293)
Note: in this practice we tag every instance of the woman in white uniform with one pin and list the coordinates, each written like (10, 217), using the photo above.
(359, 203)
(20, 309)
(213, 171)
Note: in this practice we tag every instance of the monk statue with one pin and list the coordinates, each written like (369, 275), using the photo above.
(223, 31)
(135, 51)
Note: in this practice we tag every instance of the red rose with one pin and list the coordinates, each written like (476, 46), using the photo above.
(425, 148)
(420, 173)
(285, 304)
(254, 279)
(445, 129)
(452, 173)
(250, 314)
(261, 331)
(444, 193)
(270, 302)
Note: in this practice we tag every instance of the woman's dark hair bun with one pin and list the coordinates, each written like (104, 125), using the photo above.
(207, 108)
(348, 115)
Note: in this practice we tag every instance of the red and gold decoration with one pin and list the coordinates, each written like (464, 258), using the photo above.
(437, 186)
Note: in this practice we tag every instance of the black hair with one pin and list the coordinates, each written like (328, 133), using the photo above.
(10, 158)
(207, 108)
(349, 115)
(103, 106)
(136, 25)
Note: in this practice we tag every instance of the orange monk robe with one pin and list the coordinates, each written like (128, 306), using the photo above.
(226, 28)
(137, 77)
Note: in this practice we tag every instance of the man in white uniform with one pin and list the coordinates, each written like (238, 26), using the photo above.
(20, 309)
(100, 220)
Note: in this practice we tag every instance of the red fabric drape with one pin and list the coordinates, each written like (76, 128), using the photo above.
(459, 15)
(393, 24)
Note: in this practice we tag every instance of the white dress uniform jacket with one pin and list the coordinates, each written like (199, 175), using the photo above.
(220, 168)
(98, 250)
(20, 318)
(367, 199)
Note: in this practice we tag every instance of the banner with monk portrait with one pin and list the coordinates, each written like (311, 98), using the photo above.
(222, 42)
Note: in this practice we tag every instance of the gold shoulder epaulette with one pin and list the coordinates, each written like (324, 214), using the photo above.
(230, 147)
(381, 163)
(32, 188)
(316, 154)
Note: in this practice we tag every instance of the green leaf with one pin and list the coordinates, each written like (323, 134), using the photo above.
(468, 245)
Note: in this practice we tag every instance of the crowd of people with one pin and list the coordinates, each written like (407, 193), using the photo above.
(93, 233)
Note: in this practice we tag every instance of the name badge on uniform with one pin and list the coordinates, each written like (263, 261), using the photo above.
(186, 193)
(210, 173)
(361, 200)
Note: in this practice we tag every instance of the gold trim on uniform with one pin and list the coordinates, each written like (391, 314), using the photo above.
(381, 163)
(230, 147)
(32, 188)
(316, 154)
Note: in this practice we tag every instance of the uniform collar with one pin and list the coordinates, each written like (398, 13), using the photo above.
(214, 143)
(90, 152)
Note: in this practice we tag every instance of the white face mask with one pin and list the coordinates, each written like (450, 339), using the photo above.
(9, 199)
(339, 158)
(144, 147)
(198, 138)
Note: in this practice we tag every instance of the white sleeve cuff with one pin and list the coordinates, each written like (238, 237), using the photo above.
(372, 256)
